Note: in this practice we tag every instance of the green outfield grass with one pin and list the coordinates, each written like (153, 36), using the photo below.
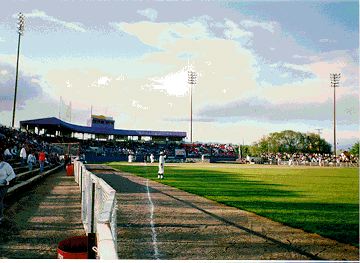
(319, 200)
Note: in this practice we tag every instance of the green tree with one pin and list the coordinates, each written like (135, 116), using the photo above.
(245, 150)
(291, 142)
(355, 149)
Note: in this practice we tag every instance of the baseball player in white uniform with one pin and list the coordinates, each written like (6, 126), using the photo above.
(161, 165)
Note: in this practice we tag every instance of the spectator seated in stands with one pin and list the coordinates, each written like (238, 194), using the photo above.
(7, 154)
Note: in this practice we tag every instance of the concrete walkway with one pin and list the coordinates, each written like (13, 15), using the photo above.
(156, 221)
(39, 218)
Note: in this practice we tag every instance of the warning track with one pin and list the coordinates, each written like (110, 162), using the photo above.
(156, 221)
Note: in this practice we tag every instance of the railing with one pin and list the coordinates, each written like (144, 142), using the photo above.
(98, 210)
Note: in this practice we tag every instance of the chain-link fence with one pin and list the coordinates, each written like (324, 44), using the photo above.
(98, 210)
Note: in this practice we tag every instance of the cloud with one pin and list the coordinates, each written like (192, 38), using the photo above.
(283, 73)
(138, 88)
(136, 104)
(308, 82)
(174, 84)
(260, 109)
(42, 15)
(29, 87)
(195, 119)
(326, 40)
(192, 40)
(233, 31)
(3, 72)
(161, 34)
(102, 81)
(269, 26)
(149, 13)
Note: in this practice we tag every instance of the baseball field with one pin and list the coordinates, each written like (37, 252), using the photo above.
(316, 199)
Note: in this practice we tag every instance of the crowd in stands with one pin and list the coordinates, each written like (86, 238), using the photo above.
(32, 148)
(308, 158)
(30, 145)
(196, 150)
(28, 148)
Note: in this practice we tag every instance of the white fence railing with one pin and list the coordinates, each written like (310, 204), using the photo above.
(98, 210)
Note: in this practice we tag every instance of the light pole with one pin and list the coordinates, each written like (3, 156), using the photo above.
(21, 26)
(335, 79)
(192, 81)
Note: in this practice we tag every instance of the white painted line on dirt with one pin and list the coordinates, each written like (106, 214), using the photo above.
(151, 206)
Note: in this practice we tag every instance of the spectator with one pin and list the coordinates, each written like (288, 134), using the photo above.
(31, 160)
(7, 154)
(67, 160)
(41, 160)
(6, 175)
(23, 155)
(14, 151)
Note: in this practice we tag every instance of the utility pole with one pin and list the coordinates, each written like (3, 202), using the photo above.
(334, 80)
(21, 27)
(192, 81)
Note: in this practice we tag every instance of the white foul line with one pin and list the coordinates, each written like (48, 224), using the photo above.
(151, 204)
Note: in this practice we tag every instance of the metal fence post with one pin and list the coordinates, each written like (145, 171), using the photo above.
(91, 235)
(81, 186)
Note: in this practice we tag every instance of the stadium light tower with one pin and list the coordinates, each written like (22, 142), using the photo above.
(192, 81)
(21, 27)
(335, 80)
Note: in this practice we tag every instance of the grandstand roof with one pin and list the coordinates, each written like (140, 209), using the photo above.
(53, 122)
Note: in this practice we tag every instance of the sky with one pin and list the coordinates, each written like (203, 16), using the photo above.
(262, 66)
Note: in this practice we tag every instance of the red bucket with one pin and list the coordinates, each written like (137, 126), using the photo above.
(73, 248)
(70, 170)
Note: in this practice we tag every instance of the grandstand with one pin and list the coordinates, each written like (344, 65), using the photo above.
(101, 128)
(100, 141)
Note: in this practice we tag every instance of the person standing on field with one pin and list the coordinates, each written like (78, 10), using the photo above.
(6, 175)
(161, 165)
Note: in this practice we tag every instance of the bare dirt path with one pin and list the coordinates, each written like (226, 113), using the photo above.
(156, 221)
(38, 219)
